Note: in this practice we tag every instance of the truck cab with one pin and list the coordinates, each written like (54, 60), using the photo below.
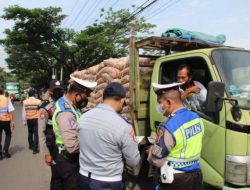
(225, 157)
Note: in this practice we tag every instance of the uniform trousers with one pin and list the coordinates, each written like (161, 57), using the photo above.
(67, 173)
(33, 133)
(5, 126)
(86, 183)
(184, 181)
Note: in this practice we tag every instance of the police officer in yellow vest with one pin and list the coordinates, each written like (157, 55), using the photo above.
(30, 119)
(178, 143)
(6, 123)
(46, 134)
(65, 118)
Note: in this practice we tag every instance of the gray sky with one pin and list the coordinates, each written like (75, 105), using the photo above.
(229, 17)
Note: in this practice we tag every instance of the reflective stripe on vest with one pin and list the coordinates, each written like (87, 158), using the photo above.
(60, 107)
(4, 110)
(31, 106)
(188, 144)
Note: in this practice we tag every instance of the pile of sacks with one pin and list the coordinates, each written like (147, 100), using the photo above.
(112, 70)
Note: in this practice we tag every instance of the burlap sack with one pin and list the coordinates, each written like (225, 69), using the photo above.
(125, 72)
(146, 70)
(107, 78)
(126, 86)
(120, 63)
(125, 79)
(101, 87)
(111, 71)
(93, 70)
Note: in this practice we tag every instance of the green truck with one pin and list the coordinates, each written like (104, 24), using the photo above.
(224, 71)
(13, 89)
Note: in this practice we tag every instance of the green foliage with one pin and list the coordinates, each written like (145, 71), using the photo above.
(6, 77)
(34, 41)
(108, 36)
(37, 43)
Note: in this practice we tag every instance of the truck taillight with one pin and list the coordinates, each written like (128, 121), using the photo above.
(237, 170)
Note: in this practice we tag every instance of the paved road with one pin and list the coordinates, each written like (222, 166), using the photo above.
(25, 171)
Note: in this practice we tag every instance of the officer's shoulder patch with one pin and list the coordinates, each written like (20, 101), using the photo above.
(72, 122)
(126, 119)
(159, 135)
(66, 105)
(42, 115)
(132, 134)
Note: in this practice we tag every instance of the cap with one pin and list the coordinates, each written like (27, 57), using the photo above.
(84, 83)
(160, 89)
(31, 92)
(56, 84)
(114, 89)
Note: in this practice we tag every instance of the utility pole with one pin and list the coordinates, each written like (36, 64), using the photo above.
(61, 77)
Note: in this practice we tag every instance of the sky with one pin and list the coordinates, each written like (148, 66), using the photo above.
(228, 17)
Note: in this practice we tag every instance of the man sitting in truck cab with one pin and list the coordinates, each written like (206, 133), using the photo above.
(193, 92)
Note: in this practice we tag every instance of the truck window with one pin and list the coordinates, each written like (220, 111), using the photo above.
(200, 73)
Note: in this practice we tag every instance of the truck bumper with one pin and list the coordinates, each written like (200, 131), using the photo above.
(230, 188)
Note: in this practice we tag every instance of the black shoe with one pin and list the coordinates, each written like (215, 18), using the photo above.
(7, 155)
(1, 155)
(35, 151)
(30, 147)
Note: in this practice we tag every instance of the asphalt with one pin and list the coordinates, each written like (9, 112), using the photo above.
(23, 171)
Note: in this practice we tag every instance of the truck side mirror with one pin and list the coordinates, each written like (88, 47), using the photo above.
(215, 93)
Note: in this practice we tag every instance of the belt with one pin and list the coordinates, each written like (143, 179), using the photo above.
(74, 157)
(101, 178)
(178, 171)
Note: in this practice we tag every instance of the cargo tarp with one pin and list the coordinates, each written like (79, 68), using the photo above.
(191, 35)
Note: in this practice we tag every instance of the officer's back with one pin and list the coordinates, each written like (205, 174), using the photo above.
(106, 139)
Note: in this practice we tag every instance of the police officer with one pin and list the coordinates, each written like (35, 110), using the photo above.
(65, 120)
(178, 143)
(30, 119)
(46, 133)
(6, 123)
(106, 142)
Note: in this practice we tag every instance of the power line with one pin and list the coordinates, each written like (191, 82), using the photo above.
(160, 7)
(168, 5)
(140, 6)
(142, 9)
(79, 13)
(125, 22)
(73, 8)
(96, 15)
(151, 9)
(114, 4)
(86, 16)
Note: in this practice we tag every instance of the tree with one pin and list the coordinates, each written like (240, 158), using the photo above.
(35, 40)
(6, 77)
(108, 37)
(37, 43)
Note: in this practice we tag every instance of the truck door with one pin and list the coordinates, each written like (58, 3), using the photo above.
(213, 151)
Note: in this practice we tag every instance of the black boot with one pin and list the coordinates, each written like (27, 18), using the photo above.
(1, 155)
(35, 151)
(7, 154)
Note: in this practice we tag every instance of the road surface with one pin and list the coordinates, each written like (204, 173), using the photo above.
(25, 171)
